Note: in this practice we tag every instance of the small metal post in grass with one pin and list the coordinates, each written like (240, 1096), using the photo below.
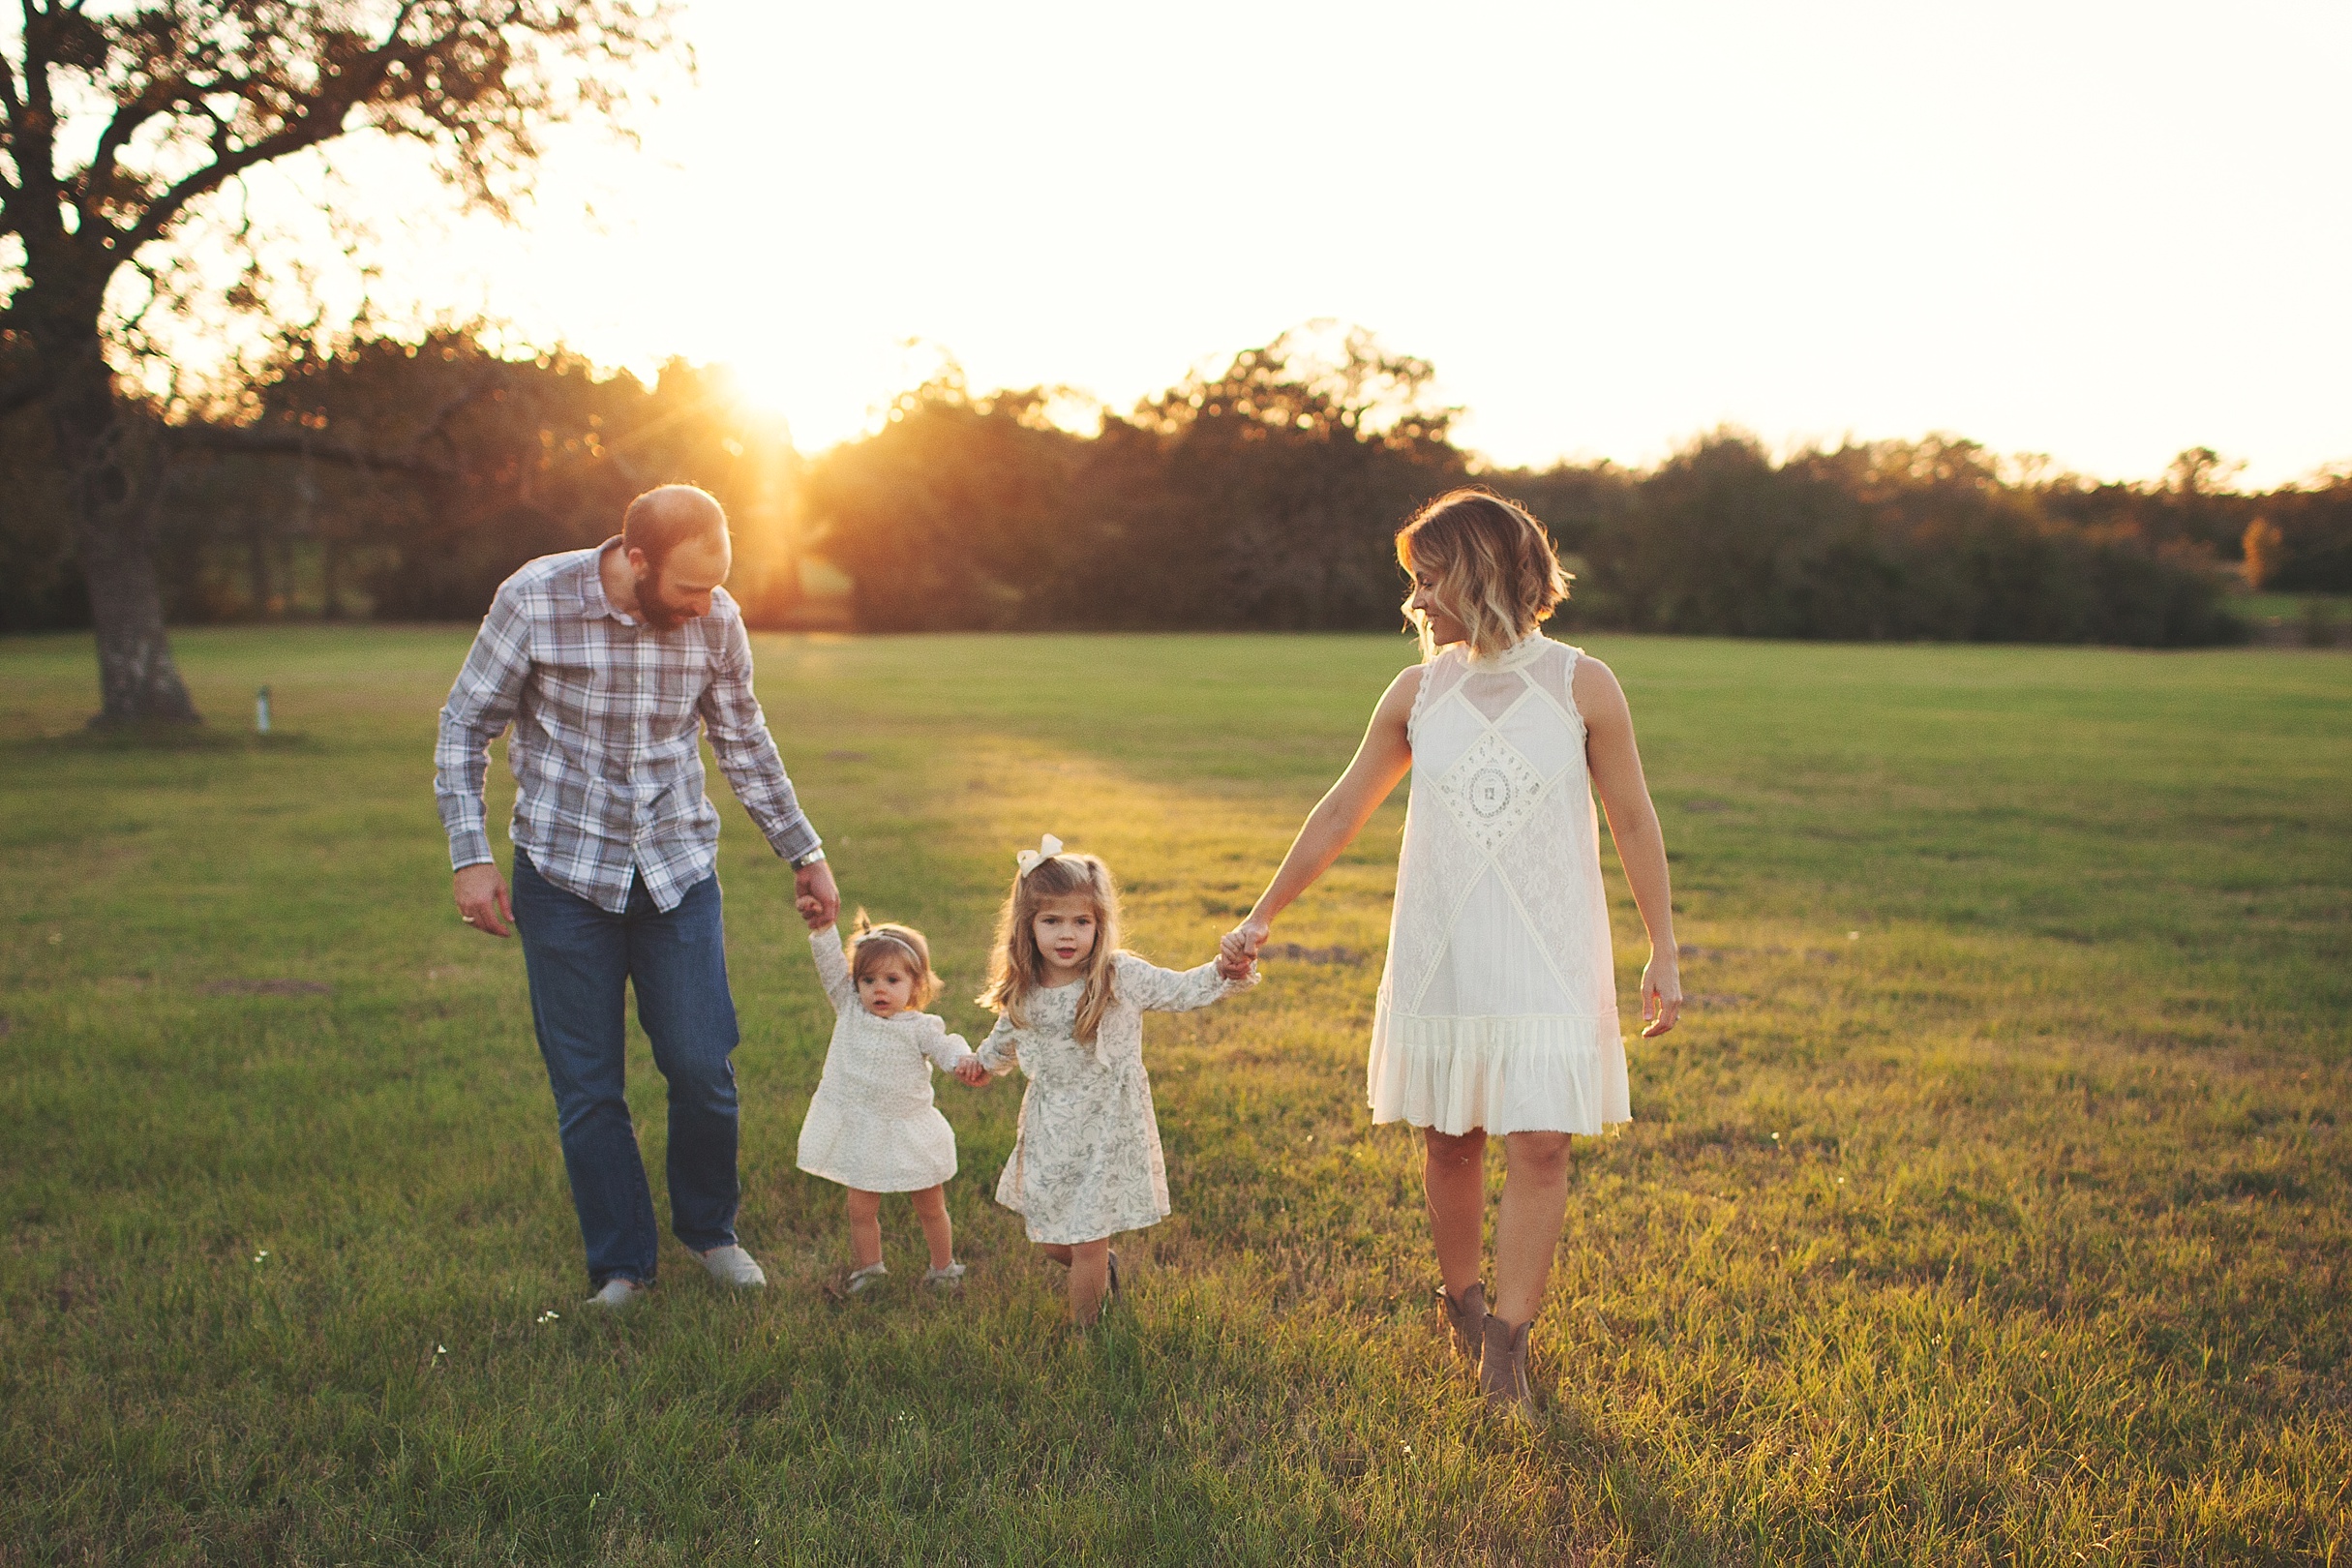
(261, 712)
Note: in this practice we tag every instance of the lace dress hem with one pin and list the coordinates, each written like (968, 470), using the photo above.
(1507, 1074)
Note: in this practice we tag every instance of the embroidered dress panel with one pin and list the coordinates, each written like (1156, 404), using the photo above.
(1086, 1161)
(609, 716)
(1498, 1008)
(871, 1124)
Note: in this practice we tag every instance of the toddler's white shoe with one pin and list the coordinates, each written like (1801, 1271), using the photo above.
(950, 1277)
(616, 1295)
(865, 1279)
(732, 1265)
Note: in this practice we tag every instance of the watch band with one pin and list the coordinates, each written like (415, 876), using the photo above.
(804, 861)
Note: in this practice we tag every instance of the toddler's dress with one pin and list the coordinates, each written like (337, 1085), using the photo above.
(871, 1124)
(1086, 1161)
(1499, 1006)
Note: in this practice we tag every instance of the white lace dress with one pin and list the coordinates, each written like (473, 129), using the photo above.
(1086, 1161)
(1499, 1006)
(871, 1124)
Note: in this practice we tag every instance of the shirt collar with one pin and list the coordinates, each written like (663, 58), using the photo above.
(594, 605)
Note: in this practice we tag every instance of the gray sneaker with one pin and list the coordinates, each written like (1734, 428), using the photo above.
(950, 1277)
(616, 1295)
(732, 1265)
(865, 1279)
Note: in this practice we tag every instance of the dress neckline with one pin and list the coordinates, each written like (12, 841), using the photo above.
(1512, 657)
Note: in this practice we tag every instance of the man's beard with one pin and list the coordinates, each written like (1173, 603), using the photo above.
(656, 612)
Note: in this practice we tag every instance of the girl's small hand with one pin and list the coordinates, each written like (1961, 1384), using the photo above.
(1240, 946)
(1661, 994)
(973, 1071)
(811, 911)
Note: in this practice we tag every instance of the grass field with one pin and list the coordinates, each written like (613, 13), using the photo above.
(1993, 1204)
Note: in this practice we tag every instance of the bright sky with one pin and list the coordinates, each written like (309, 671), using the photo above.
(2101, 231)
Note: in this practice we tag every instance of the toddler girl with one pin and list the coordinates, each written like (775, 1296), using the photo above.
(1086, 1161)
(871, 1125)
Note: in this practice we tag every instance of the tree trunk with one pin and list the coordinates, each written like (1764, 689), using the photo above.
(113, 495)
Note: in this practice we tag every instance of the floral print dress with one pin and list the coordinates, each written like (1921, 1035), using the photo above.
(1086, 1162)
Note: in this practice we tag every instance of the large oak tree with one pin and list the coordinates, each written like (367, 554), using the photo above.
(125, 124)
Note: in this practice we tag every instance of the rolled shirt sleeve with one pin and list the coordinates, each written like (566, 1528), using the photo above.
(480, 705)
(747, 753)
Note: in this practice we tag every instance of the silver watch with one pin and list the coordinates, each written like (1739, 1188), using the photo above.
(804, 861)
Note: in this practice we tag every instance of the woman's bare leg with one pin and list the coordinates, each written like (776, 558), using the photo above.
(931, 1210)
(865, 1227)
(1454, 1177)
(1088, 1280)
(1528, 1230)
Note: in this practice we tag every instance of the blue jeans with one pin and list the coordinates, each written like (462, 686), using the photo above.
(578, 958)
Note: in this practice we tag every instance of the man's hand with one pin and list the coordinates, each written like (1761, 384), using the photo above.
(482, 901)
(816, 881)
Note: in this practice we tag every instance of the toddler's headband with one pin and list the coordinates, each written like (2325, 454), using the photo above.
(1030, 859)
(874, 936)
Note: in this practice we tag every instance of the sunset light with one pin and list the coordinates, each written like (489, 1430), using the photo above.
(2105, 232)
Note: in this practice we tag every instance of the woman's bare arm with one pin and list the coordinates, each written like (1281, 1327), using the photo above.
(1615, 764)
(1384, 757)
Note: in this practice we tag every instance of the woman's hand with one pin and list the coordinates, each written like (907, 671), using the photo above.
(1661, 994)
(1238, 950)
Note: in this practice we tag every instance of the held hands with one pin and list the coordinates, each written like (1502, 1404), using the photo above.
(1661, 994)
(815, 896)
(973, 1071)
(482, 899)
(1237, 953)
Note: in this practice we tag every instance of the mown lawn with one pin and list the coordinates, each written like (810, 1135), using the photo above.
(1992, 1206)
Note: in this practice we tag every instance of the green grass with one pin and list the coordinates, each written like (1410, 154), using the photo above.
(1992, 1206)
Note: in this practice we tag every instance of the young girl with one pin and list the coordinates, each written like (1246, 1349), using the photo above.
(1086, 1161)
(871, 1125)
(1498, 1013)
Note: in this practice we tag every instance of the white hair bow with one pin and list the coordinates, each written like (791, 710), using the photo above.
(1048, 848)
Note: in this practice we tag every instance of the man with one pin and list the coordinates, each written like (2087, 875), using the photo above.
(607, 662)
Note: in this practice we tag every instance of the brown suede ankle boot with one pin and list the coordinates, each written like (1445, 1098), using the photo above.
(1467, 1318)
(1503, 1370)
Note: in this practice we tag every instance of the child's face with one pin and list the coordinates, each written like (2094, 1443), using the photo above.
(1444, 627)
(888, 988)
(1065, 931)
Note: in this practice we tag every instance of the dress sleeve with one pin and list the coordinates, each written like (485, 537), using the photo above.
(1002, 1048)
(1153, 989)
(943, 1048)
(833, 969)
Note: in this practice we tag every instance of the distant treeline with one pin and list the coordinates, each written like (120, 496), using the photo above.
(404, 480)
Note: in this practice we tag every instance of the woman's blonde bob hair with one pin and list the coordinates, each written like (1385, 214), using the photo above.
(1016, 969)
(1493, 565)
(872, 946)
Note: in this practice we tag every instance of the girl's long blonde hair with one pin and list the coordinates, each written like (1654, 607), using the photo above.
(871, 945)
(1016, 969)
(1493, 565)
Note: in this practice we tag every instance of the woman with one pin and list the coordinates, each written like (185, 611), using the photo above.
(1497, 1010)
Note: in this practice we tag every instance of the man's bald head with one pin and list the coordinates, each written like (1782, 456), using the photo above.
(675, 541)
(667, 516)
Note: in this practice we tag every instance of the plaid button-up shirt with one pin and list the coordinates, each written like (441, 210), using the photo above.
(606, 754)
